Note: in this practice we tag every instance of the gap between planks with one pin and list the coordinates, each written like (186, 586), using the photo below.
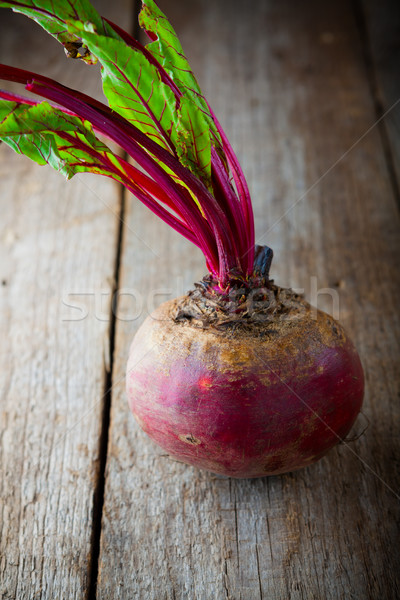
(98, 501)
(382, 110)
(108, 377)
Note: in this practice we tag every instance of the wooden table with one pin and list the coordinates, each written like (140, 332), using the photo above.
(308, 93)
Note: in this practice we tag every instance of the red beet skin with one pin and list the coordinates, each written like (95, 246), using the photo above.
(244, 405)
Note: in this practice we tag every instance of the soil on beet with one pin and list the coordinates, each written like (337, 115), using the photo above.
(245, 311)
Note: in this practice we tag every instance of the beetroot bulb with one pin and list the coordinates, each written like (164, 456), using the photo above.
(240, 376)
(248, 399)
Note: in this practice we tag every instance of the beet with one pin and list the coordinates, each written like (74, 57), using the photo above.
(246, 401)
(239, 377)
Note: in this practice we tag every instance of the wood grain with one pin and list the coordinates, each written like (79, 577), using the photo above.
(289, 84)
(383, 31)
(58, 248)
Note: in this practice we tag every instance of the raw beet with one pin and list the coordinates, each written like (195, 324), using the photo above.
(245, 401)
(250, 392)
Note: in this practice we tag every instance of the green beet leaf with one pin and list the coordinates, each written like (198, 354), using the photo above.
(50, 136)
(133, 88)
(195, 124)
(131, 83)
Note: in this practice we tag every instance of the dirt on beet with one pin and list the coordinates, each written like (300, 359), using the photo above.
(257, 311)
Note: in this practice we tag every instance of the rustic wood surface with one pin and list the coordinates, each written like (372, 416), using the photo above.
(292, 88)
(56, 240)
(382, 24)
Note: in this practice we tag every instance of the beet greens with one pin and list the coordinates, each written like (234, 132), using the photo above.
(189, 175)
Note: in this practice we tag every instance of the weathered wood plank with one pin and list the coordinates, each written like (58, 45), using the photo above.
(56, 240)
(383, 29)
(288, 83)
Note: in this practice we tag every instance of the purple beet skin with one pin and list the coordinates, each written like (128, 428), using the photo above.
(245, 405)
